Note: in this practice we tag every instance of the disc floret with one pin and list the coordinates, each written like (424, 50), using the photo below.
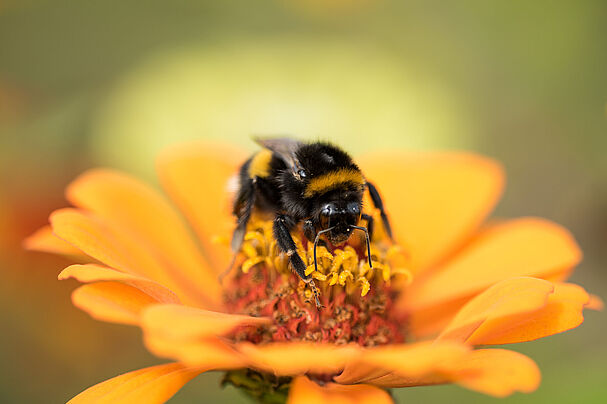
(357, 298)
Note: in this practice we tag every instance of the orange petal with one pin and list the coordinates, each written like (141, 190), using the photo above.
(522, 247)
(298, 357)
(392, 380)
(359, 372)
(189, 334)
(561, 312)
(595, 303)
(435, 200)
(497, 304)
(44, 240)
(305, 391)
(94, 273)
(142, 211)
(496, 372)
(180, 322)
(155, 384)
(411, 360)
(199, 352)
(430, 321)
(110, 244)
(112, 301)
(196, 178)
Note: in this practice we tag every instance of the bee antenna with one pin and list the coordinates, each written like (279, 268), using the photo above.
(368, 243)
(316, 243)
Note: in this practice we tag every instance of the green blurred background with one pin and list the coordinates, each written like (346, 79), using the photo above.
(110, 83)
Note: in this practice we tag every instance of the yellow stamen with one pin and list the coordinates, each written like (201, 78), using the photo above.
(249, 250)
(366, 286)
(342, 267)
(343, 276)
(308, 294)
(251, 262)
(258, 237)
(363, 269)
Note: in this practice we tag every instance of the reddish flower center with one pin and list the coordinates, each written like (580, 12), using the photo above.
(357, 299)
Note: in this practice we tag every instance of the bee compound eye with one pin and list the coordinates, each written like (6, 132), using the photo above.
(354, 208)
(302, 173)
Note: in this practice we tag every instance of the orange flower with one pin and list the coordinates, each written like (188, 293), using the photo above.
(462, 284)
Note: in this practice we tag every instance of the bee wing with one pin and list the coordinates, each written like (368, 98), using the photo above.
(285, 148)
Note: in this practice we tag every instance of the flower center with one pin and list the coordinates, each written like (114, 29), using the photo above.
(357, 299)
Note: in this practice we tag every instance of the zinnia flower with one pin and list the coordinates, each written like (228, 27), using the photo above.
(452, 284)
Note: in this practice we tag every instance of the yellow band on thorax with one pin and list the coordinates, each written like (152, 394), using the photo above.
(332, 180)
(260, 164)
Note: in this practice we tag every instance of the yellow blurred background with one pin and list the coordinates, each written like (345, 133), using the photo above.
(110, 83)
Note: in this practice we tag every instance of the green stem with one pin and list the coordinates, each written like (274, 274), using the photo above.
(264, 388)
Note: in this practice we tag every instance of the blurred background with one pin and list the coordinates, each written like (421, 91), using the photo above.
(110, 83)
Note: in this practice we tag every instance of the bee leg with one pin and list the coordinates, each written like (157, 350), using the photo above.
(377, 202)
(282, 226)
(309, 230)
(369, 220)
(282, 233)
(310, 233)
(242, 209)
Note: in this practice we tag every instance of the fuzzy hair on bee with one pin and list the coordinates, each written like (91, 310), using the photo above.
(314, 184)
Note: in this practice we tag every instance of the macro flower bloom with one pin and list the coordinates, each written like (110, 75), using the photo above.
(453, 283)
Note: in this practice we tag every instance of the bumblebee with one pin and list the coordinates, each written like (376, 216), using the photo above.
(316, 184)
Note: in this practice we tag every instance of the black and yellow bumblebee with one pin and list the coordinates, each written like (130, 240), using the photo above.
(315, 183)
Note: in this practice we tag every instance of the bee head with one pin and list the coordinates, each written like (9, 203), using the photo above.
(340, 216)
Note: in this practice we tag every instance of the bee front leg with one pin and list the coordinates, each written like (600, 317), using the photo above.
(282, 233)
(309, 230)
(369, 220)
